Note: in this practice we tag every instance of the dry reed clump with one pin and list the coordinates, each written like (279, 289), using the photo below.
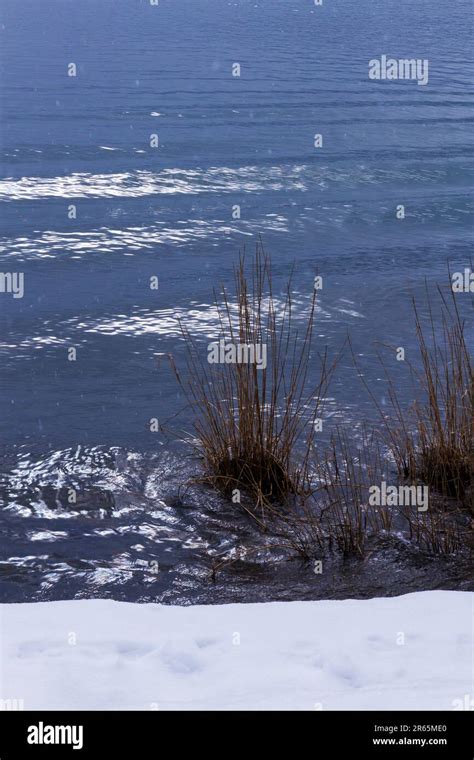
(348, 475)
(432, 441)
(437, 531)
(337, 513)
(349, 514)
(255, 425)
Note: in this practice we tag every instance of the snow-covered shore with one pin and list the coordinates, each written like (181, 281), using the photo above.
(407, 652)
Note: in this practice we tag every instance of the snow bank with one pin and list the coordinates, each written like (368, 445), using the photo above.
(408, 652)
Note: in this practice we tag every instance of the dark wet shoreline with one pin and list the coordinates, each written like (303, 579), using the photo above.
(141, 531)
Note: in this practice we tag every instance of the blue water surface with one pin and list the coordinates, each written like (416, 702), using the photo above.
(223, 140)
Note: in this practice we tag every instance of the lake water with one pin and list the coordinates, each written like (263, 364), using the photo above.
(169, 211)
